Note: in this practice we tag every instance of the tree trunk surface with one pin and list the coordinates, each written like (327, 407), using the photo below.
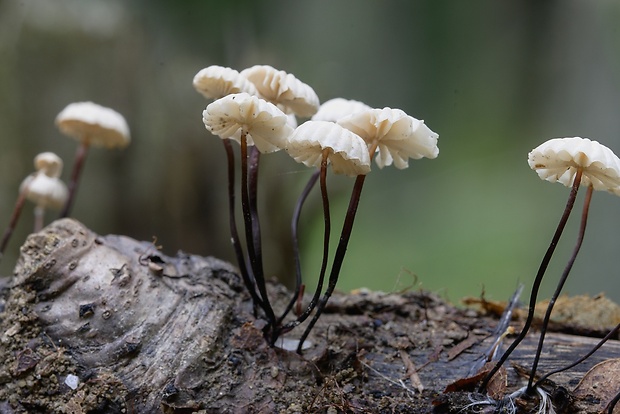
(107, 324)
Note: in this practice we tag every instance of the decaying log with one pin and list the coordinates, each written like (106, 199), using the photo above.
(106, 324)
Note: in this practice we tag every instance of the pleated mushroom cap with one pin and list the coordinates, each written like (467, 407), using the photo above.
(283, 89)
(348, 153)
(94, 124)
(44, 191)
(398, 135)
(44, 188)
(215, 82)
(48, 163)
(263, 123)
(338, 108)
(558, 160)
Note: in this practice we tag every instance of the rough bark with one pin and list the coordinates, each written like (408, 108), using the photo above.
(106, 324)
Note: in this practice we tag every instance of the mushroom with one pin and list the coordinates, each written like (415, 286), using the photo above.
(241, 116)
(215, 82)
(92, 125)
(397, 137)
(331, 110)
(317, 144)
(572, 162)
(294, 98)
(251, 121)
(44, 188)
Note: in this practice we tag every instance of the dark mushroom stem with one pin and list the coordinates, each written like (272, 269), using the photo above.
(253, 161)
(256, 261)
(558, 290)
(326, 235)
(248, 279)
(80, 157)
(17, 210)
(609, 335)
(341, 250)
(537, 280)
(295, 239)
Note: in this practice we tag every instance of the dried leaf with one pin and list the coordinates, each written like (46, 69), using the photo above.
(600, 383)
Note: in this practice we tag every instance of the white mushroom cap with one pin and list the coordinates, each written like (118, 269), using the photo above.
(559, 158)
(398, 135)
(94, 124)
(264, 124)
(215, 82)
(48, 163)
(338, 108)
(348, 153)
(283, 89)
(45, 191)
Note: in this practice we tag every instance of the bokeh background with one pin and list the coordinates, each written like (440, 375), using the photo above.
(494, 79)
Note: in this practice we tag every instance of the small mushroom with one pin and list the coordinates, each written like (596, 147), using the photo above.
(91, 125)
(573, 162)
(44, 188)
(395, 136)
(215, 82)
(241, 116)
(252, 121)
(283, 89)
(317, 144)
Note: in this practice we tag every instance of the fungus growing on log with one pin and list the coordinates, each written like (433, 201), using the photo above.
(573, 162)
(44, 188)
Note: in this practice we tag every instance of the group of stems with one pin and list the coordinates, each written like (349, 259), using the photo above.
(251, 266)
(531, 386)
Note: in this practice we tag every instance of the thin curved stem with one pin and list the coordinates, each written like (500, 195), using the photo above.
(80, 158)
(583, 358)
(17, 210)
(558, 290)
(248, 278)
(341, 250)
(253, 161)
(294, 232)
(537, 280)
(255, 261)
(326, 235)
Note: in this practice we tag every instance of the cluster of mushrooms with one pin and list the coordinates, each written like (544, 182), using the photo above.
(91, 125)
(259, 108)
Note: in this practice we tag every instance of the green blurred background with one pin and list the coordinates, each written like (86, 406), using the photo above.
(494, 79)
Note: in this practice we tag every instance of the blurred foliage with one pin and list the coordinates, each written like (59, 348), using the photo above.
(493, 79)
